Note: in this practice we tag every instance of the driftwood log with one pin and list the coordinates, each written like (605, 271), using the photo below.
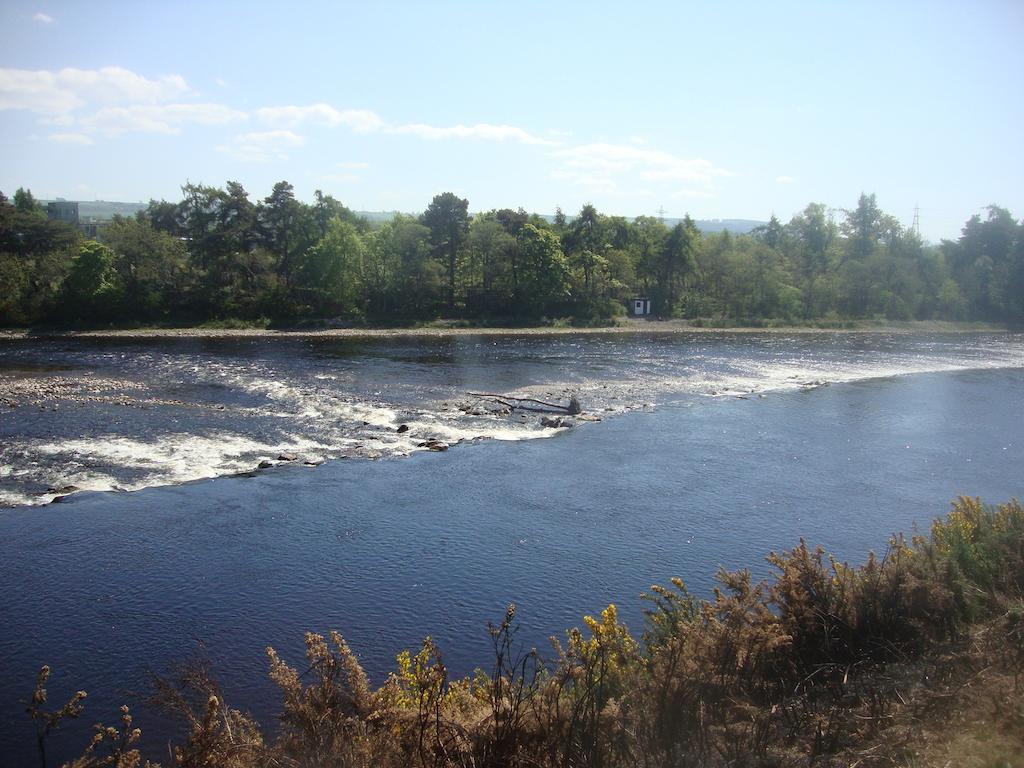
(572, 409)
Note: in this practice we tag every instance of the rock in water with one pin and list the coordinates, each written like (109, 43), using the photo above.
(555, 422)
(63, 489)
(434, 445)
(574, 406)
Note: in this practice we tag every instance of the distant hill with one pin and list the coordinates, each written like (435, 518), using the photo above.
(378, 217)
(105, 209)
(735, 226)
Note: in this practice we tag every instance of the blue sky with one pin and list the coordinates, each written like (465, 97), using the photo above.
(720, 110)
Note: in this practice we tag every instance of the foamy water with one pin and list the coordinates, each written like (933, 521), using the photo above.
(121, 416)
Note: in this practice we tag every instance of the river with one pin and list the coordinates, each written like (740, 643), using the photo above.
(711, 450)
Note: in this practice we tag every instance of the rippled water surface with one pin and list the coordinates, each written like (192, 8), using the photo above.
(712, 450)
(102, 415)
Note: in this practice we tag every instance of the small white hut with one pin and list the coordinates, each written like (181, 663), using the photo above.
(640, 306)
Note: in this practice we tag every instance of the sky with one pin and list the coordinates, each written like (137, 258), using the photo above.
(719, 110)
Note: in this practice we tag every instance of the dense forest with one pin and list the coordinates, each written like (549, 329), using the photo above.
(218, 256)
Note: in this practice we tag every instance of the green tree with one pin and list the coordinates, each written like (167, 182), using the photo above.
(91, 290)
(811, 235)
(559, 222)
(331, 272)
(447, 217)
(493, 267)
(220, 227)
(35, 254)
(26, 203)
(405, 281)
(984, 263)
(325, 209)
(543, 272)
(280, 220)
(865, 227)
(151, 267)
(585, 244)
(676, 262)
(647, 240)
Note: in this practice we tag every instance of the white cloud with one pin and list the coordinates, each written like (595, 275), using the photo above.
(165, 118)
(36, 91)
(261, 147)
(784, 180)
(591, 182)
(343, 178)
(59, 120)
(367, 121)
(692, 194)
(604, 166)
(484, 131)
(359, 120)
(70, 138)
(221, 82)
(353, 166)
(63, 91)
(43, 18)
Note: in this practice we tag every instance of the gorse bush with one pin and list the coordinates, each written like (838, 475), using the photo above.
(798, 666)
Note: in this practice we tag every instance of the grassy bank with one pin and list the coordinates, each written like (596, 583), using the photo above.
(445, 328)
(915, 659)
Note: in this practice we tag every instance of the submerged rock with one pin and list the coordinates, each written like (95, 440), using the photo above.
(434, 445)
(556, 422)
(287, 457)
(63, 489)
(265, 464)
(402, 429)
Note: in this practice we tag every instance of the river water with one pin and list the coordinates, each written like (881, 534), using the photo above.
(712, 450)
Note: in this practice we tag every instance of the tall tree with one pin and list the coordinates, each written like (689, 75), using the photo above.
(585, 243)
(447, 217)
(544, 273)
(677, 261)
(35, 253)
(812, 233)
(279, 216)
(150, 265)
(26, 203)
(647, 238)
(332, 271)
(91, 289)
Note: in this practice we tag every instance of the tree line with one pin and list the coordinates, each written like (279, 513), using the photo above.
(216, 255)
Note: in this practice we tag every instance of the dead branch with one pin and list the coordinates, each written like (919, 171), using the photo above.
(549, 407)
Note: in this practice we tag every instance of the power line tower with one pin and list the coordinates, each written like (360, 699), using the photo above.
(916, 226)
(661, 214)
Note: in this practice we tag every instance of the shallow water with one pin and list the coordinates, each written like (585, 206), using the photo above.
(107, 586)
(94, 414)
